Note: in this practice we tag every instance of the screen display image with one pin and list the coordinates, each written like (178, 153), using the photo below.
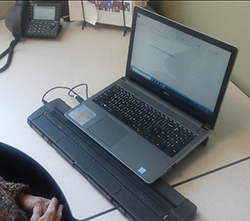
(179, 63)
(44, 13)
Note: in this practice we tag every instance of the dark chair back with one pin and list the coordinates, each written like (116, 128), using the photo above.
(18, 167)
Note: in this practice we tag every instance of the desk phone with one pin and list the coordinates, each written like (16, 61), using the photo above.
(43, 20)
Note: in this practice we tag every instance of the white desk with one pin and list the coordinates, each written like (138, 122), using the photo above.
(97, 56)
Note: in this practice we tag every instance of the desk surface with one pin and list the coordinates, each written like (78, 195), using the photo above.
(97, 56)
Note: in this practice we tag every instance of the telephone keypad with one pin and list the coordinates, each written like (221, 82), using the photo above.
(43, 24)
(42, 28)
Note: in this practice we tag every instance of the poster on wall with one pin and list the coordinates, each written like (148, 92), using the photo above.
(115, 12)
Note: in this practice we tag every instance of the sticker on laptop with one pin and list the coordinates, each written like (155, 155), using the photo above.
(82, 114)
(142, 170)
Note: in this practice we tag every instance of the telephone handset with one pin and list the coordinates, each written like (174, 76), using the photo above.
(15, 18)
(37, 20)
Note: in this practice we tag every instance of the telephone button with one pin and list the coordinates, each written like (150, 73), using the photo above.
(52, 25)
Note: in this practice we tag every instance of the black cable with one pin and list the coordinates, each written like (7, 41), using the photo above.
(79, 85)
(211, 171)
(70, 90)
(10, 51)
(57, 87)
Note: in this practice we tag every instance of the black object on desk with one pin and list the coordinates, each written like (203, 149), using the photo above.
(18, 167)
(24, 19)
(134, 198)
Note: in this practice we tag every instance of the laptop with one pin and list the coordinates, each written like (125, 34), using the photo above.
(168, 101)
(129, 194)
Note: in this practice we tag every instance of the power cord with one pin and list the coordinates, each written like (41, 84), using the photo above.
(76, 96)
(71, 92)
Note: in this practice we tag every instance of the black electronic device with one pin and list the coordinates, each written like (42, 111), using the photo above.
(43, 20)
(27, 19)
(133, 197)
(36, 20)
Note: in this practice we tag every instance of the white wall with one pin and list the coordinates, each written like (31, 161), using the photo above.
(4, 6)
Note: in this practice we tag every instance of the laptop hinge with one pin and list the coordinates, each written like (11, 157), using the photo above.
(206, 127)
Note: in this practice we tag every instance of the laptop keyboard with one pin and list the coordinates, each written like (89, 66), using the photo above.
(160, 130)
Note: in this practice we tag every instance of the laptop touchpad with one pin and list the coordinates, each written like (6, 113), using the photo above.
(108, 131)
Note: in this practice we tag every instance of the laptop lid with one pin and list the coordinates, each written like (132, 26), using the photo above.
(183, 66)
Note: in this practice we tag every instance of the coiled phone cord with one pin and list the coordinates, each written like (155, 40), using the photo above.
(9, 51)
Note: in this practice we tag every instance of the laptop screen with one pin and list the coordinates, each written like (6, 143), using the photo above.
(179, 63)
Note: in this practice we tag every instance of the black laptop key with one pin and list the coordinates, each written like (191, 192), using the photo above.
(160, 130)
